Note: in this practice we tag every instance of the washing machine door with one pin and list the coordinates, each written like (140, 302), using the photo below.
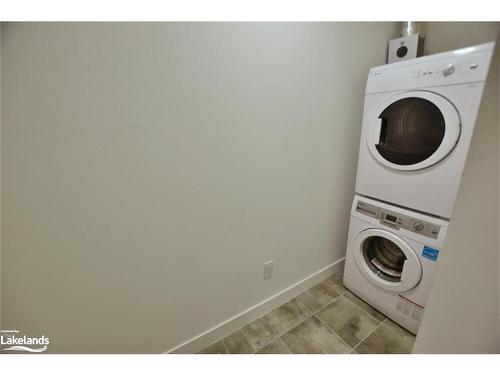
(387, 260)
(413, 130)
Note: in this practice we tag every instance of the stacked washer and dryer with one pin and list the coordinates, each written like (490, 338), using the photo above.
(418, 120)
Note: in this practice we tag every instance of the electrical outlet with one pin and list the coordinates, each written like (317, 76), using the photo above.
(268, 269)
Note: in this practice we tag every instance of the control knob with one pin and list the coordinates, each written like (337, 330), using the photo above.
(448, 70)
(418, 226)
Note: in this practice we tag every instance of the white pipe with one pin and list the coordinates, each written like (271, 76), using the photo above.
(409, 28)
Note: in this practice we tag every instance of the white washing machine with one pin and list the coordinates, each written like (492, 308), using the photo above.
(418, 120)
(392, 255)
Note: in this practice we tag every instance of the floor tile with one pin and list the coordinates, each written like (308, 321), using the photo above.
(287, 316)
(340, 322)
(362, 304)
(250, 338)
(347, 320)
(216, 348)
(336, 283)
(311, 337)
(318, 296)
(400, 331)
(276, 347)
(388, 338)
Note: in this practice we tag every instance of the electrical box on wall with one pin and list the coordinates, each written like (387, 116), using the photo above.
(405, 48)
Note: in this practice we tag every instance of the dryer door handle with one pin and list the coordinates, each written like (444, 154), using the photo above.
(378, 131)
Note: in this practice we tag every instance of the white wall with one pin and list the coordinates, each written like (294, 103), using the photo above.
(463, 310)
(149, 170)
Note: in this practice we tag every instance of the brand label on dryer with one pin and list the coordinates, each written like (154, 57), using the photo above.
(430, 253)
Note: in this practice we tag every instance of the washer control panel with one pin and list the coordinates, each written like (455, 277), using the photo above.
(397, 220)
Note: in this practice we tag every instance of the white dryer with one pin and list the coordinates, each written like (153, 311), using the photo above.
(392, 255)
(418, 120)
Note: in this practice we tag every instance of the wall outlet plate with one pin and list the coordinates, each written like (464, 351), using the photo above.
(404, 48)
(268, 269)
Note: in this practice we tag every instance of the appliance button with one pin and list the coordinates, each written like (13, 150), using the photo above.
(418, 226)
(448, 70)
(473, 66)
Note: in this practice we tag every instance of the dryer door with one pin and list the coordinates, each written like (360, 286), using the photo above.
(387, 260)
(413, 130)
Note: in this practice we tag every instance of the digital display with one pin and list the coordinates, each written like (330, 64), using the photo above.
(391, 218)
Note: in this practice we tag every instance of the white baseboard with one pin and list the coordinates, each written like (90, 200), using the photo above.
(227, 327)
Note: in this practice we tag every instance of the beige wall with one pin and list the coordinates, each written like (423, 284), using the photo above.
(150, 170)
(463, 310)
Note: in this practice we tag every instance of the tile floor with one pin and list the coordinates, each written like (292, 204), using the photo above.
(325, 319)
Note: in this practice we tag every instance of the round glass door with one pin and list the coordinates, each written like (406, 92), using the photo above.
(384, 258)
(414, 130)
(387, 260)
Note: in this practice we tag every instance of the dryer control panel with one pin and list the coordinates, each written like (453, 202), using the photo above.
(397, 220)
(463, 66)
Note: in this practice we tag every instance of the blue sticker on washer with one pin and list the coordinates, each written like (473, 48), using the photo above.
(430, 253)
